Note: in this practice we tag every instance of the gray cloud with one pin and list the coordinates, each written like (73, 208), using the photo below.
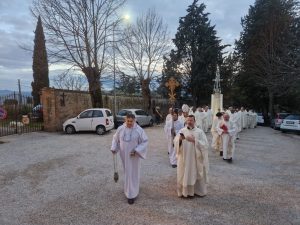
(17, 26)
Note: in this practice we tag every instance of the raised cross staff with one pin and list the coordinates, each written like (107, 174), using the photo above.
(172, 84)
(217, 80)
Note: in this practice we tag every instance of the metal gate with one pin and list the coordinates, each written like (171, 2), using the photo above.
(18, 115)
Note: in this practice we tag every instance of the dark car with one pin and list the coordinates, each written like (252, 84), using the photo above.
(141, 116)
(278, 119)
(37, 112)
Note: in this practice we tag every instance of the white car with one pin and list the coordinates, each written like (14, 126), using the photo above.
(260, 119)
(97, 119)
(142, 117)
(291, 123)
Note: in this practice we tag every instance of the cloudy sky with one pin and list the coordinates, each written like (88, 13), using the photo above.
(17, 29)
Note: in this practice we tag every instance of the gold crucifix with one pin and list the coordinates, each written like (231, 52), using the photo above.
(172, 84)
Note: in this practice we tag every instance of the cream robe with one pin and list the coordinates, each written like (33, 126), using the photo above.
(124, 141)
(228, 139)
(239, 121)
(236, 118)
(216, 138)
(209, 118)
(198, 119)
(204, 121)
(192, 163)
(244, 120)
(178, 125)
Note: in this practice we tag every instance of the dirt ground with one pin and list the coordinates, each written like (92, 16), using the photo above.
(53, 178)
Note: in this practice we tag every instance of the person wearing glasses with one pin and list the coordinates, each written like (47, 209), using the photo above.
(131, 141)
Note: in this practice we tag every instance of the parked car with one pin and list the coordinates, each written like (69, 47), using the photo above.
(260, 119)
(37, 112)
(277, 120)
(142, 117)
(291, 123)
(97, 119)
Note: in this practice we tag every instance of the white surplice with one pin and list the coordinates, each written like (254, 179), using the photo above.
(228, 139)
(209, 118)
(244, 119)
(177, 125)
(236, 118)
(198, 119)
(124, 141)
(216, 138)
(192, 163)
(204, 121)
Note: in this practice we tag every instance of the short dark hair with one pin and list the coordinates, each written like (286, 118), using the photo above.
(175, 111)
(219, 114)
(130, 116)
(192, 116)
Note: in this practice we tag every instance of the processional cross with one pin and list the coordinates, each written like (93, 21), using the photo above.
(172, 84)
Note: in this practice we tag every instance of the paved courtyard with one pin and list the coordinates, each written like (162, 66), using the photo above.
(53, 178)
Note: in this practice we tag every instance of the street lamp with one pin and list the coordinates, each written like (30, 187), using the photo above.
(126, 18)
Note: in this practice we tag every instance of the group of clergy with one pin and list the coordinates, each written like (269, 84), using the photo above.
(187, 146)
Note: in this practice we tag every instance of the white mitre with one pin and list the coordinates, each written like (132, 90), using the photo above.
(185, 108)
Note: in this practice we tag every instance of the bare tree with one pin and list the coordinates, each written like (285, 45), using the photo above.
(70, 81)
(142, 47)
(78, 33)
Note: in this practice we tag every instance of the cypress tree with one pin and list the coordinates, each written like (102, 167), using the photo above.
(40, 63)
(199, 51)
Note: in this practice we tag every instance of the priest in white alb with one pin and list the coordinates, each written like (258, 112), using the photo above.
(191, 146)
(216, 137)
(131, 141)
(172, 129)
(227, 129)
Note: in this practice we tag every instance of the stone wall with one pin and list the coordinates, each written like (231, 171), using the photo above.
(60, 105)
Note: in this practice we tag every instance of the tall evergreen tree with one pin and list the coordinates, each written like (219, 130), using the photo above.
(268, 50)
(40, 63)
(170, 69)
(199, 51)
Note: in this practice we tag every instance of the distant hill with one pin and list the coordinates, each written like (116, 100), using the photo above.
(9, 92)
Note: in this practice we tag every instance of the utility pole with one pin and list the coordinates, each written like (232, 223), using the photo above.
(20, 93)
(115, 99)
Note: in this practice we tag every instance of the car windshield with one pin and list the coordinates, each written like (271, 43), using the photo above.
(282, 116)
(293, 117)
(140, 113)
(259, 114)
(123, 113)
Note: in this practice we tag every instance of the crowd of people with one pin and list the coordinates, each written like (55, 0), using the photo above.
(187, 144)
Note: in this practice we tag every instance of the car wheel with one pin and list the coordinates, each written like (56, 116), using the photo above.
(151, 123)
(100, 130)
(283, 131)
(70, 129)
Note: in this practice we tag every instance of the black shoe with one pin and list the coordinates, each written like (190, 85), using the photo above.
(174, 166)
(221, 153)
(225, 159)
(130, 201)
(229, 160)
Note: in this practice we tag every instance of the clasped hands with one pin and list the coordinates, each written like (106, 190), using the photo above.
(189, 138)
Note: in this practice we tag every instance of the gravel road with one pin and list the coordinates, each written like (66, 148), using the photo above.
(58, 179)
